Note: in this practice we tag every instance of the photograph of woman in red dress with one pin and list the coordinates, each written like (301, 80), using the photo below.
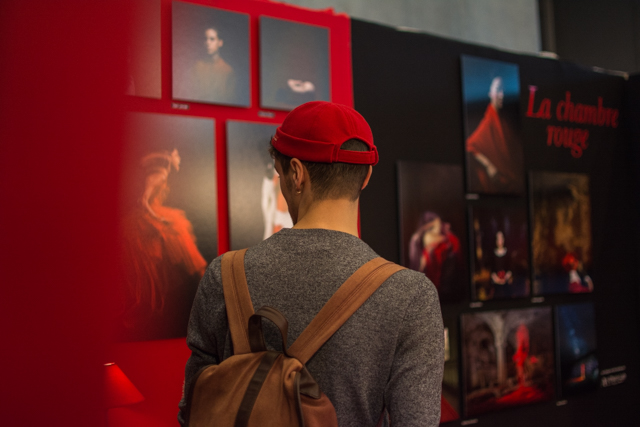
(168, 223)
(433, 224)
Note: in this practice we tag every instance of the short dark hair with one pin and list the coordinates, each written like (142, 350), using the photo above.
(332, 180)
(214, 28)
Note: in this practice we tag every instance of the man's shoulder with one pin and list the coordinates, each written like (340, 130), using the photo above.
(413, 283)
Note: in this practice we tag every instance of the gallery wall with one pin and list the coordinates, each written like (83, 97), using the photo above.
(63, 65)
(409, 87)
(197, 179)
(600, 34)
(63, 132)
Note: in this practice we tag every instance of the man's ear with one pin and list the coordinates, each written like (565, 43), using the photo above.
(367, 178)
(298, 174)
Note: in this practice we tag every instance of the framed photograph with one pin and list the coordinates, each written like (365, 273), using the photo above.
(294, 63)
(561, 233)
(500, 249)
(169, 222)
(210, 55)
(257, 208)
(144, 77)
(450, 402)
(433, 225)
(493, 135)
(507, 358)
(576, 335)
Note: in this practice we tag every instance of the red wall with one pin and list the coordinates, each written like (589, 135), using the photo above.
(60, 131)
(62, 74)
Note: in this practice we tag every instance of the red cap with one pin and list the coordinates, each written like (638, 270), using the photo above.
(315, 131)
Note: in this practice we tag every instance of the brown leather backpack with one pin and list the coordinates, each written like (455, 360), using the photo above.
(258, 387)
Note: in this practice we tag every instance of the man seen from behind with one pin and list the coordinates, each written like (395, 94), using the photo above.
(390, 354)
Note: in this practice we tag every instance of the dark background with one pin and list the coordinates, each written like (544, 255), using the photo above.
(574, 329)
(451, 376)
(291, 50)
(593, 32)
(413, 101)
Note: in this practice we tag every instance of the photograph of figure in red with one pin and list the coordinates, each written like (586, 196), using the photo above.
(508, 358)
(433, 224)
(491, 91)
(435, 250)
(561, 235)
(168, 233)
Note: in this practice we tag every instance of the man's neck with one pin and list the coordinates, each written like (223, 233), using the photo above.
(338, 215)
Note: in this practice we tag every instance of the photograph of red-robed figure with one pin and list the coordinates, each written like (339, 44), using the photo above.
(493, 142)
(433, 225)
(169, 224)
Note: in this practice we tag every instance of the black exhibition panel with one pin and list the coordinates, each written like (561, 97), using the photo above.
(408, 87)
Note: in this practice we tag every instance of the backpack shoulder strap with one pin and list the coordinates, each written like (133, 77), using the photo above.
(347, 299)
(237, 299)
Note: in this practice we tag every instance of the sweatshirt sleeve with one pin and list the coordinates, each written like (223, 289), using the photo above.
(414, 390)
(206, 334)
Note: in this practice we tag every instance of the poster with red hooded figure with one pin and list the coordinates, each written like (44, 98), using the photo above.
(493, 141)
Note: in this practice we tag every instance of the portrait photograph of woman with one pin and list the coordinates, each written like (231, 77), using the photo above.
(500, 241)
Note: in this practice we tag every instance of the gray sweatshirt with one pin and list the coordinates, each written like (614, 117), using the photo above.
(390, 353)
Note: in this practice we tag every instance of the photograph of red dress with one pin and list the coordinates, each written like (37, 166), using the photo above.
(432, 225)
(435, 251)
(493, 139)
(168, 223)
(163, 263)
